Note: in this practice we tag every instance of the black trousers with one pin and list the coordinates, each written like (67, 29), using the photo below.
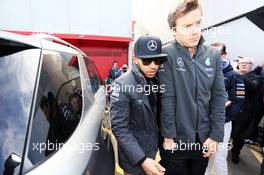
(183, 162)
(237, 146)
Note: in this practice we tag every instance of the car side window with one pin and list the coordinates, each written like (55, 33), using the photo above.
(58, 107)
(18, 71)
(94, 76)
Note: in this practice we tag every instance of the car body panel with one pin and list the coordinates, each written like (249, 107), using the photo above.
(86, 150)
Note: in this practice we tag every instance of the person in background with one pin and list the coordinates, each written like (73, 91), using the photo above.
(260, 71)
(236, 93)
(122, 70)
(113, 71)
(245, 126)
(262, 147)
(234, 63)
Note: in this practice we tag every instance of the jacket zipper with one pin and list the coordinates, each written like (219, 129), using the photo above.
(196, 89)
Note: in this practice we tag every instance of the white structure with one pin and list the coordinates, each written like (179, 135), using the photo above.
(238, 24)
(100, 17)
(151, 17)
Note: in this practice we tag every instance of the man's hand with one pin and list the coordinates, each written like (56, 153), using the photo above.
(151, 167)
(169, 144)
(211, 146)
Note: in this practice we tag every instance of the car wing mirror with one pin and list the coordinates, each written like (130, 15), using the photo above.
(11, 163)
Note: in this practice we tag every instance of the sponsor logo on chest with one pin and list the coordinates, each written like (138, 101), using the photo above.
(181, 64)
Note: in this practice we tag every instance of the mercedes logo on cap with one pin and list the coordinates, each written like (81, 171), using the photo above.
(152, 45)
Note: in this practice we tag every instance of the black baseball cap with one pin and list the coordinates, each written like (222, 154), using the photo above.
(148, 46)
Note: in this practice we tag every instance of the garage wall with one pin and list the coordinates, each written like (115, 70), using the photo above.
(103, 57)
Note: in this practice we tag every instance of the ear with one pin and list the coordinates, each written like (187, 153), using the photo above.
(173, 31)
(135, 61)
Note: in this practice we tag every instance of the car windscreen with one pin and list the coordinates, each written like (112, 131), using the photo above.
(18, 70)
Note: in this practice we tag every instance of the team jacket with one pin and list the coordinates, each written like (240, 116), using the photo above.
(194, 98)
(134, 124)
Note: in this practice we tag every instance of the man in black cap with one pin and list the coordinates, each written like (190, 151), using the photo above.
(134, 110)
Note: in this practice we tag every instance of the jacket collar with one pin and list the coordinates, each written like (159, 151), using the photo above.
(139, 77)
(138, 74)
